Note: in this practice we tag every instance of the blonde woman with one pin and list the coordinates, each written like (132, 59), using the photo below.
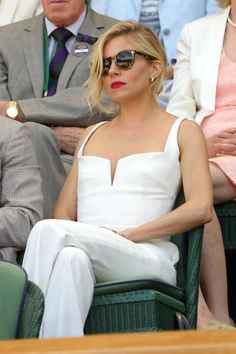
(204, 90)
(165, 17)
(115, 210)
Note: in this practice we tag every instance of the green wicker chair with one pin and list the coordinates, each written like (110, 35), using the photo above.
(21, 303)
(148, 304)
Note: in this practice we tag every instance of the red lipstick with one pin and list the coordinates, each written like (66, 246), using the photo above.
(117, 84)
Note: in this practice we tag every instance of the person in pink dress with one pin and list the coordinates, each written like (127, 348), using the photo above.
(205, 90)
(218, 130)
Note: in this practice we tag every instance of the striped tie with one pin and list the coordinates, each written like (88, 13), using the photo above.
(61, 35)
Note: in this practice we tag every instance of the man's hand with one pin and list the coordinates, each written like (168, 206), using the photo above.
(68, 138)
(223, 143)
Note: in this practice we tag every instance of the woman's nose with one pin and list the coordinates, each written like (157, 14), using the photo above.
(114, 70)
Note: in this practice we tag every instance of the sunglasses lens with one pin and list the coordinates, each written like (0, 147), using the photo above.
(106, 66)
(125, 59)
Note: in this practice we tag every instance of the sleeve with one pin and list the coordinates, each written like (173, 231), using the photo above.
(182, 102)
(67, 107)
(21, 193)
(4, 93)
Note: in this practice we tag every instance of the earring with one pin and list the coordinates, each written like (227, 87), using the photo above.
(152, 79)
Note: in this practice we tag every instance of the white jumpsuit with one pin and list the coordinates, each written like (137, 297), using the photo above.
(66, 258)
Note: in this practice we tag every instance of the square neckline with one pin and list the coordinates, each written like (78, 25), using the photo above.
(81, 150)
(113, 176)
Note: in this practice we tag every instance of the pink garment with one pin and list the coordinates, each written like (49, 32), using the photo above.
(225, 114)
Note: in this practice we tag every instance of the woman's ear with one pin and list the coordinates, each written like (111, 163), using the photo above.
(156, 69)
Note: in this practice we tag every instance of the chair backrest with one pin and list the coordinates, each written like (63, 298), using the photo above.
(31, 318)
(21, 303)
(188, 267)
(13, 286)
(181, 242)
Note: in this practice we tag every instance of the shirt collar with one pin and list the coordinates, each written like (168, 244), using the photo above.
(74, 28)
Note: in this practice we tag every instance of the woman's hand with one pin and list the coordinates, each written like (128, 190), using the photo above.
(131, 235)
(222, 144)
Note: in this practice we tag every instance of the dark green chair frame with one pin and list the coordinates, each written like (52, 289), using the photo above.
(148, 304)
(21, 303)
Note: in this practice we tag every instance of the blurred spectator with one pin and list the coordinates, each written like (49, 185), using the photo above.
(204, 90)
(17, 10)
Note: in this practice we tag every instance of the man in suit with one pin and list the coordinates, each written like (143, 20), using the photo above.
(21, 199)
(18, 10)
(26, 50)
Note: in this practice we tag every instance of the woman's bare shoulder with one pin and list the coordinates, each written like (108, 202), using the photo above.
(190, 126)
(190, 133)
(187, 124)
(84, 135)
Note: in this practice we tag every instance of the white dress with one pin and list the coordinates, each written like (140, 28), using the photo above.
(66, 258)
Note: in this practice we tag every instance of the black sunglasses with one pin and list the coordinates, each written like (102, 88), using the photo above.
(123, 60)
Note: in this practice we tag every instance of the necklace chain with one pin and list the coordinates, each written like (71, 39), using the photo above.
(231, 22)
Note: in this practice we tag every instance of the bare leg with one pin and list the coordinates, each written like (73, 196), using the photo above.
(223, 190)
(213, 303)
(205, 317)
(213, 271)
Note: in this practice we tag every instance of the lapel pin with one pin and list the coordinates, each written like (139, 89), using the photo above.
(81, 49)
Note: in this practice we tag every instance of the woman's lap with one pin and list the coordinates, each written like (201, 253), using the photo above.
(112, 256)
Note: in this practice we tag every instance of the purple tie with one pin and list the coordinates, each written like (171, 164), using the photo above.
(61, 35)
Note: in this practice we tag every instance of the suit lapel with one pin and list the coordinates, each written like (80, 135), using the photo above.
(211, 67)
(88, 28)
(33, 50)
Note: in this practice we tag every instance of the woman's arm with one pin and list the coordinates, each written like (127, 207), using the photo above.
(66, 206)
(197, 188)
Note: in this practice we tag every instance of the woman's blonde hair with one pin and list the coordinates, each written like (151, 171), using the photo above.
(224, 3)
(142, 39)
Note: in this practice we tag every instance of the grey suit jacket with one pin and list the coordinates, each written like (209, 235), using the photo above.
(22, 73)
(20, 188)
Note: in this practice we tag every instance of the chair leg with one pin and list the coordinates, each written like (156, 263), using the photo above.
(182, 322)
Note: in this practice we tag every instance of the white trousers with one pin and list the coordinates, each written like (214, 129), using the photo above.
(66, 258)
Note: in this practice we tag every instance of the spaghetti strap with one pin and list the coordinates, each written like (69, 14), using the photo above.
(81, 150)
(172, 137)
